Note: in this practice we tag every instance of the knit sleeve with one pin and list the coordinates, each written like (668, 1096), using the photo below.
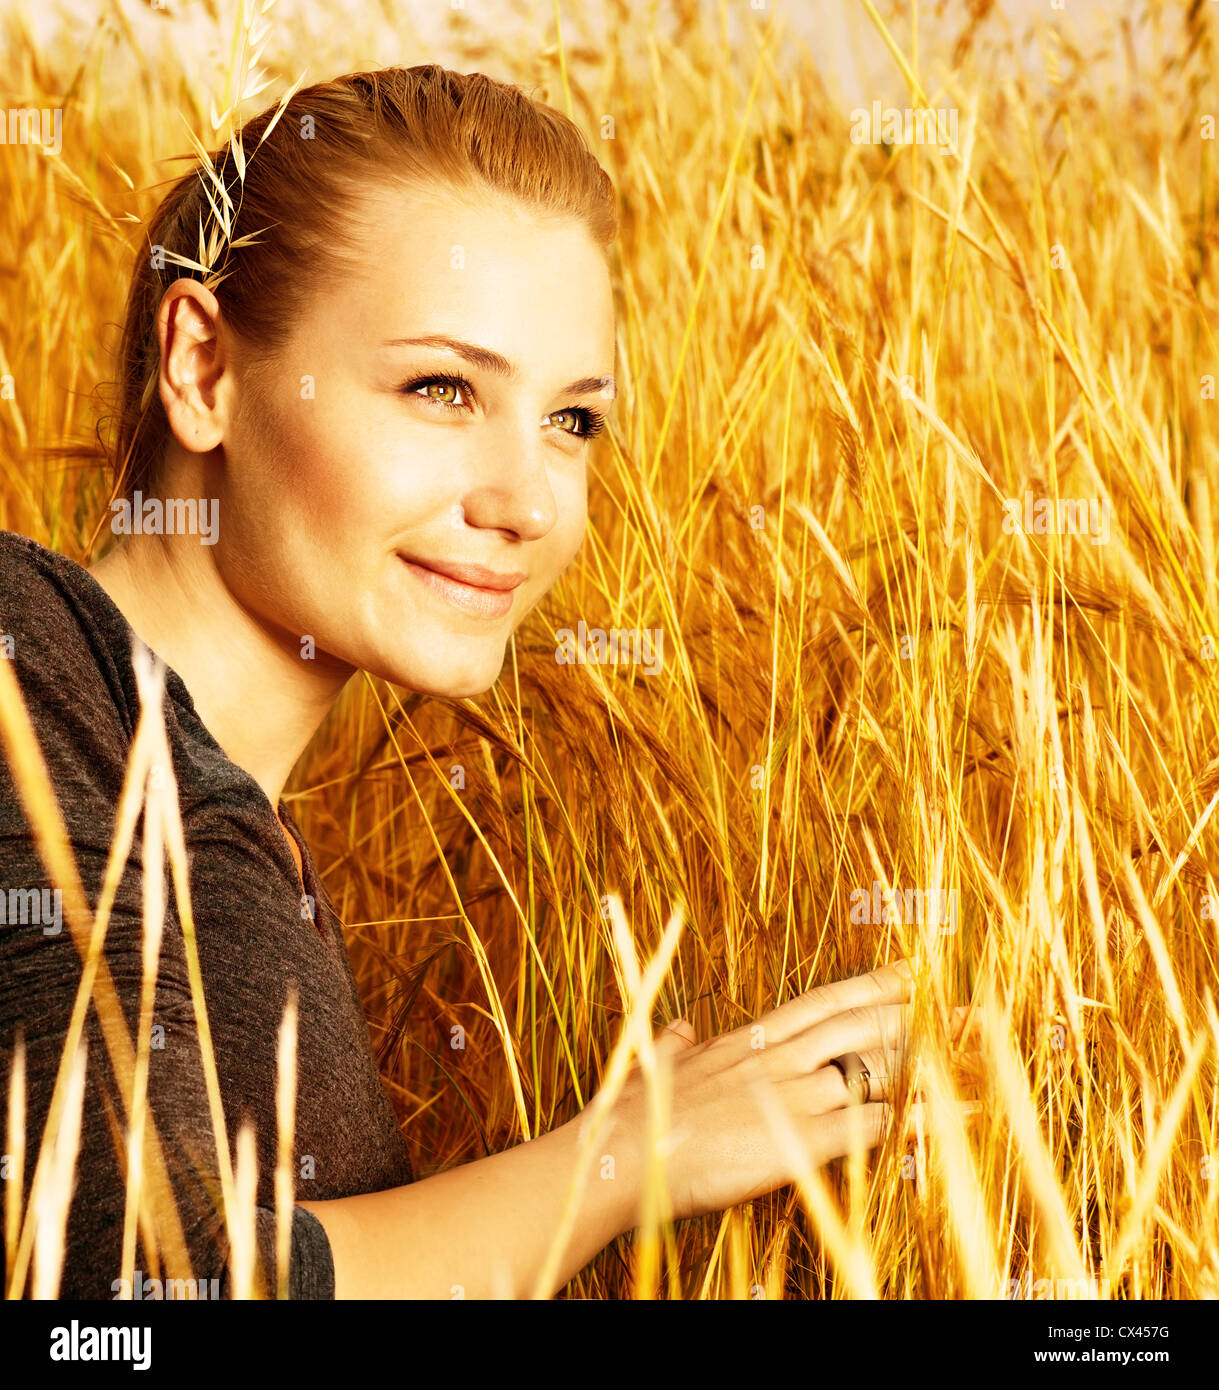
(311, 1264)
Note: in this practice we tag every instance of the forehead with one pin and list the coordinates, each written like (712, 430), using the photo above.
(489, 270)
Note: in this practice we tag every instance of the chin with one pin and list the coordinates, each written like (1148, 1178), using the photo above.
(464, 677)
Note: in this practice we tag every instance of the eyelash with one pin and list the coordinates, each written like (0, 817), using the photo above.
(592, 422)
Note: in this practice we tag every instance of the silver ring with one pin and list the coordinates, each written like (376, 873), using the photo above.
(855, 1074)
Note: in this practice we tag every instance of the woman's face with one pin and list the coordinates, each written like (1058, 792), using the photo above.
(355, 466)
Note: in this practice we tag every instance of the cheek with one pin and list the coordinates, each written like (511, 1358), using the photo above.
(571, 507)
(312, 468)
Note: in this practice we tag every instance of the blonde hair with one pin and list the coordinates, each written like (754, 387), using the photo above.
(422, 127)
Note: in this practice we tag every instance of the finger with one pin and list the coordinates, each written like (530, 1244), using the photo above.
(829, 1087)
(919, 1117)
(890, 984)
(857, 1126)
(839, 1133)
(878, 1028)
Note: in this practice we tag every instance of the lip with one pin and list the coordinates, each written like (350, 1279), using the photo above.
(482, 592)
(476, 576)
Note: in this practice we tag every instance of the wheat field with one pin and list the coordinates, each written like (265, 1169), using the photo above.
(913, 469)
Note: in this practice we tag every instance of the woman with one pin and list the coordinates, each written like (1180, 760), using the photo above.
(363, 447)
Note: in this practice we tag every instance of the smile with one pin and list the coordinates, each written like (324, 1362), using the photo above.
(479, 600)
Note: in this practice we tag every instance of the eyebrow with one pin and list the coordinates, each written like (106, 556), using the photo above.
(493, 362)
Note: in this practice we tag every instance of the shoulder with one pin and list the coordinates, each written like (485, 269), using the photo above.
(70, 650)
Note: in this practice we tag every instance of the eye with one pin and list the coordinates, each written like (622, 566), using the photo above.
(441, 390)
(578, 421)
(456, 393)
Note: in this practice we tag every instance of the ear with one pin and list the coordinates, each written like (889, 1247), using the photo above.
(192, 365)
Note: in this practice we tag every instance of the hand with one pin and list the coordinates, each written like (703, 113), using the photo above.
(721, 1147)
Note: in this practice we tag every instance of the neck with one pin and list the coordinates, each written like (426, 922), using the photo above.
(260, 700)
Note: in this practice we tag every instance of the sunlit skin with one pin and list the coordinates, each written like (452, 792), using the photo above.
(321, 495)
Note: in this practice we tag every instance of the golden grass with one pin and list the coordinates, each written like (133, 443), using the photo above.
(837, 361)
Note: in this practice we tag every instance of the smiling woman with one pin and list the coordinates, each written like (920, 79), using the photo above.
(387, 384)
(421, 391)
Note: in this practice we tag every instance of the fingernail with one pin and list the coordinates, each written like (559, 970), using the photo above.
(903, 967)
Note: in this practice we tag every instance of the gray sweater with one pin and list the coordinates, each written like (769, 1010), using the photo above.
(71, 652)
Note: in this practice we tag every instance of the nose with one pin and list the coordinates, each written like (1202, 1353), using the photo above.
(510, 489)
